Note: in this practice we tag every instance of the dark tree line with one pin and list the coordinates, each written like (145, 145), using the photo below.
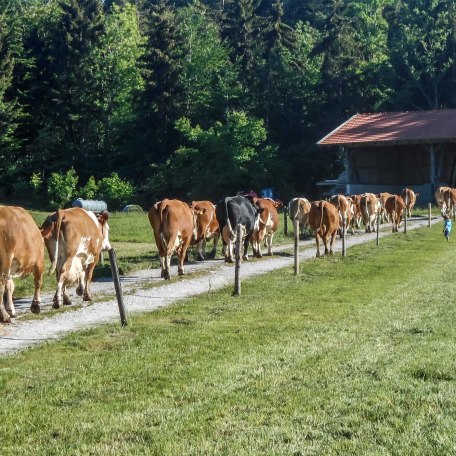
(200, 98)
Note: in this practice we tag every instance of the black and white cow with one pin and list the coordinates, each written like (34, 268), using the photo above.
(231, 212)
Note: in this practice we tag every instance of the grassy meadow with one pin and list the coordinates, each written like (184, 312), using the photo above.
(351, 357)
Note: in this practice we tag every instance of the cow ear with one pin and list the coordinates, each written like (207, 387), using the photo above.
(103, 217)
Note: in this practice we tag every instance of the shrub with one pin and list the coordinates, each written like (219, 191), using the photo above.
(115, 191)
(61, 189)
(90, 189)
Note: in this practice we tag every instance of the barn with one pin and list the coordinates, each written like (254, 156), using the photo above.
(391, 150)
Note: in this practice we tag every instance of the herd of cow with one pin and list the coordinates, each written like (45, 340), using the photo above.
(74, 238)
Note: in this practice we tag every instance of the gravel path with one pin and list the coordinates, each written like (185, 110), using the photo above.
(145, 291)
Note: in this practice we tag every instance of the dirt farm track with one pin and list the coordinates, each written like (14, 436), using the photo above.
(145, 291)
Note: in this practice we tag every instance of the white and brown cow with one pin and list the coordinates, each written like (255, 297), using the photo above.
(409, 197)
(357, 213)
(74, 239)
(395, 206)
(266, 224)
(207, 227)
(324, 222)
(298, 209)
(370, 206)
(21, 254)
(174, 225)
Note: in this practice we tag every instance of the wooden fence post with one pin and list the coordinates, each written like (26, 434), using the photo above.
(378, 230)
(285, 220)
(296, 246)
(118, 287)
(430, 214)
(343, 238)
(237, 266)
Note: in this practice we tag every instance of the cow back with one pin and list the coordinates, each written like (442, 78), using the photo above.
(323, 217)
(206, 221)
(234, 210)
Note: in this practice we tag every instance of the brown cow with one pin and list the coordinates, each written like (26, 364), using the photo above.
(74, 239)
(21, 253)
(357, 217)
(409, 197)
(298, 209)
(324, 222)
(344, 207)
(207, 227)
(174, 225)
(394, 207)
(449, 199)
(266, 224)
(369, 208)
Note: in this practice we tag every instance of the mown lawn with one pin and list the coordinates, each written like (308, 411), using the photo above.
(353, 357)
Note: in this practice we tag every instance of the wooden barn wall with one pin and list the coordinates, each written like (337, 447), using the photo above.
(399, 165)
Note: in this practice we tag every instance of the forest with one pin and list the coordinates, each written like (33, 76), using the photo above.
(198, 99)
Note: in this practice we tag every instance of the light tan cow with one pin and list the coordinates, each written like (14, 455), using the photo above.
(449, 199)
(409, 197)
(324, 222)
(174, 225)
(439, 199)
(207, 227)
(74, 239)
(369, 208)
(21, 254)
(265, 225)
(298, 209)
(344, 207)
(395, 207)
(382, 197)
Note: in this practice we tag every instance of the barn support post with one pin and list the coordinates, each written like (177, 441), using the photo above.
(296, 246)
(237, 265)
(285, 220)
(433, 177)
(118, 287)
(430, 214)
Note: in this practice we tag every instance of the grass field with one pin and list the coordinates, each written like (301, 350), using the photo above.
(352, 357)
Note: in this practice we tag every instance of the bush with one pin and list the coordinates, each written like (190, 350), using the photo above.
(61, 189)
(115, 191)
(90, 189)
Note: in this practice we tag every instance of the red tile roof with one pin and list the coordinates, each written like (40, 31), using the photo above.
(398, 127)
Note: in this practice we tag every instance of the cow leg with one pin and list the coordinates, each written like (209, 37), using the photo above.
(61, 281)
(269, 243)
(9, 304)
(201, 249)
(325, 242)
(183, 251)
(317, 238)
(4, 316)
(87, 278)
(214, 246)
(38, 282)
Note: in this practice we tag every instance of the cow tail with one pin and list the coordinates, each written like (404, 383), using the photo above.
(228, 222)
(60, 216)
(321, 215)
(160, 208)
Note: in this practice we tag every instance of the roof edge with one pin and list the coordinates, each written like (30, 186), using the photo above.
(320, 143)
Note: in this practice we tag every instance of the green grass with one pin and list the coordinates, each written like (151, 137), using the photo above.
(352, 357)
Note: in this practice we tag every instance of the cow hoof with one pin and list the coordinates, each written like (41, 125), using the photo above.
(55, 303)
(166, 275)
(87, 297)
(79, 290)
(5, 318)
(201, 258)
(180, 272)
(66, 300)
(229, 260)
(245, 258)
(35, 308)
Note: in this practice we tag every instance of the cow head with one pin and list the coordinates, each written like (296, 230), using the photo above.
(103, 220)
(48, 225)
